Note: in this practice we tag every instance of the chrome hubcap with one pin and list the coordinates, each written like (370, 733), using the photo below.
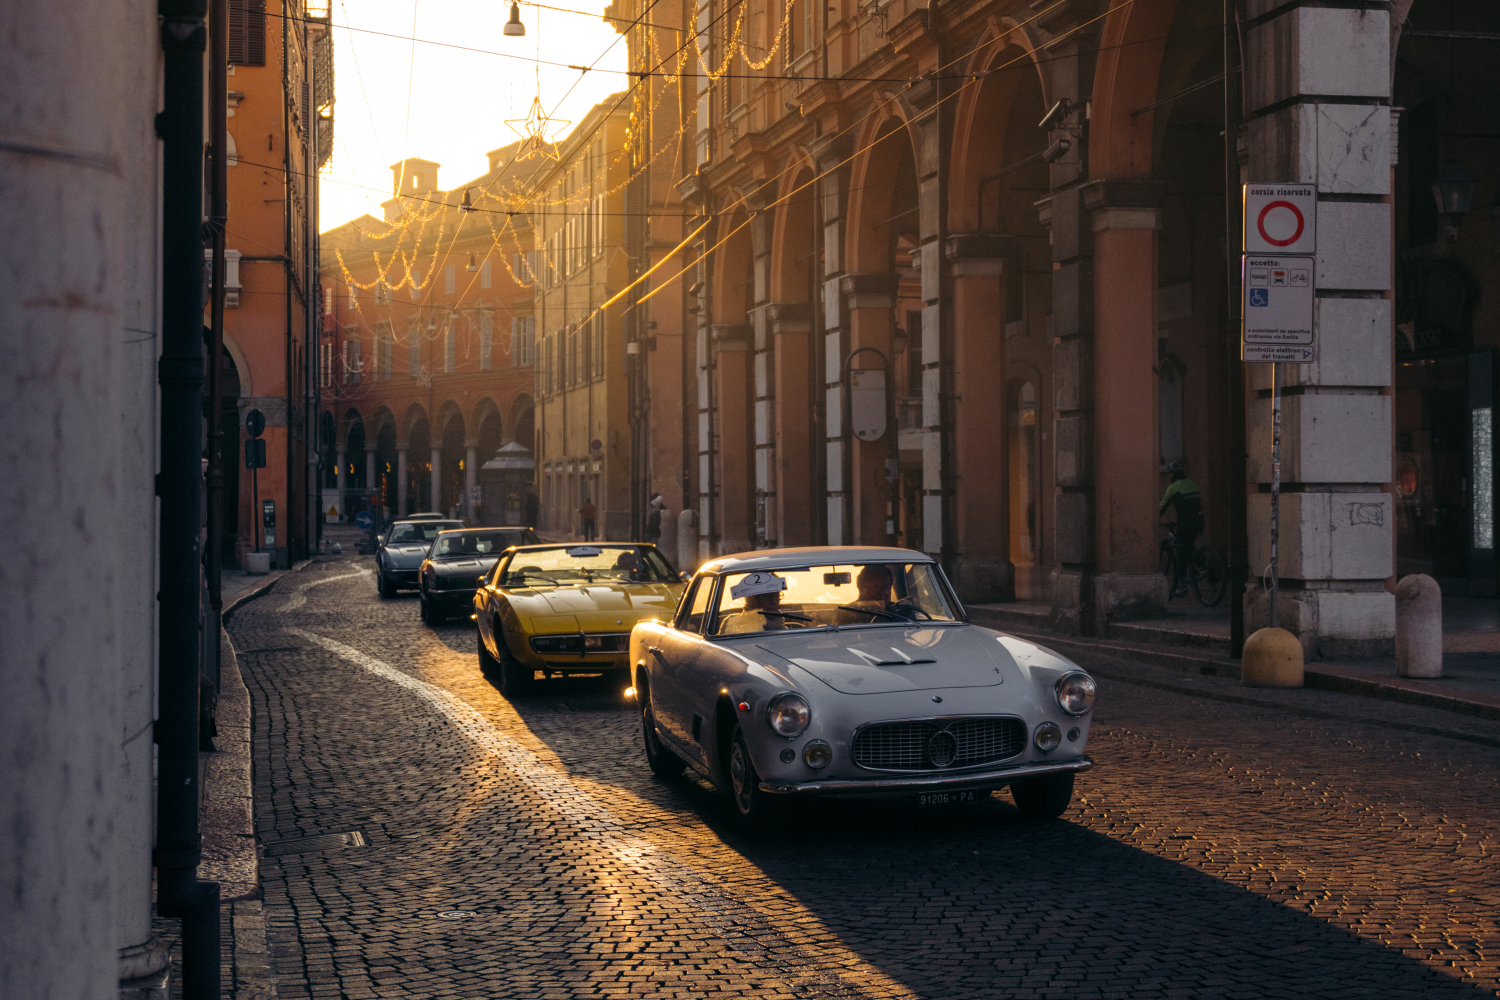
(739, 774)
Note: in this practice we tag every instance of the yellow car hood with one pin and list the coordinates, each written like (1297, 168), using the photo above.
(600, 607)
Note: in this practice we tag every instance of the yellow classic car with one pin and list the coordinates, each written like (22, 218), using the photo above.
(566, 609)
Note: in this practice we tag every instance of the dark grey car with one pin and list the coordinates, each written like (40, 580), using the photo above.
(402, 550)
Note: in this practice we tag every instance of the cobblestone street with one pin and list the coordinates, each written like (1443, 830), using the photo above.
(1229, 842)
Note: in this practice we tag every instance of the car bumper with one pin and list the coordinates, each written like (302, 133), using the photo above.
(888, 786)
(455, 599)
(401, 577)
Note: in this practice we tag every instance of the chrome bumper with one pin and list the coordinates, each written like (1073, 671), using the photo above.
(987, 779)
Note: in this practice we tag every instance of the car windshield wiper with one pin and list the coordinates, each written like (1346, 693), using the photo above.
(876, 611)
(788, 614)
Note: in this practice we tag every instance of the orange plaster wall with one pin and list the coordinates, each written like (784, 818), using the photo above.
(1125, 405)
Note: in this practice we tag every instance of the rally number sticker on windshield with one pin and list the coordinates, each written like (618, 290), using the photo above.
(583, 551)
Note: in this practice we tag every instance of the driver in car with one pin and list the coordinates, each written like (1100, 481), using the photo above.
(761, 613)
(874, 585)
(629, 566)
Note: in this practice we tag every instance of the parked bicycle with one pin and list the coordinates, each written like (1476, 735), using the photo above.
(1204, 572)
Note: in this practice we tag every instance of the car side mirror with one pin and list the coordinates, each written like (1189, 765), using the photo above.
(686, 577)
(482, 577)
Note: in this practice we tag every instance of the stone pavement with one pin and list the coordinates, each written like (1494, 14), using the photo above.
(1230, 843)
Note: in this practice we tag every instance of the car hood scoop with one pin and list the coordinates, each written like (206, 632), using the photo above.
(886, 660)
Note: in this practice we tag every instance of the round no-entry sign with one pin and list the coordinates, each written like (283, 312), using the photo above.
(1281, 219)
(1282, 216)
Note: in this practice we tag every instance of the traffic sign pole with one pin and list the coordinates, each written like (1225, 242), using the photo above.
(1280, 226)
(1275, 496)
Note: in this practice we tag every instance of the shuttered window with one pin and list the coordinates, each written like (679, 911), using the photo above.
(247, 32)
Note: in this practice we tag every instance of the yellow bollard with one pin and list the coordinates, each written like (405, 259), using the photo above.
(1272, 658)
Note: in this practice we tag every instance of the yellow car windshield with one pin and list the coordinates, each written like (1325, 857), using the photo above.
(567, 565)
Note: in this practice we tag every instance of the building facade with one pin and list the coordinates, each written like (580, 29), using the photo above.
(280, 133)
(584, 448)
(1026, 214)
(428, 344)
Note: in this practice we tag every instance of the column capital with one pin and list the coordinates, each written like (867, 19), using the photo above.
(1124, 192)
(978, 254)
(870, 291)
(790, 317)
(730, 337)
(471, 442)
(403, 445)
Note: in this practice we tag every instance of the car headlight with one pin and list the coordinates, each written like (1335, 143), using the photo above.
(1075, 693)
(817, 754)
(1048, 737)
(789, 715)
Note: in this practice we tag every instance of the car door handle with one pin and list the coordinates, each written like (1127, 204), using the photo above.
(658, 654)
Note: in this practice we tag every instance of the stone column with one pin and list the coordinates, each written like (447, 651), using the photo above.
(791, 413)
(829, 153)
(981, 570)
(370, 480)
(1326, 73)
(401, 484)
(435, 480)
(1124, 217)
(471, 477)
(732, 460)
(933, 120)
(869, 299)
(341, 478)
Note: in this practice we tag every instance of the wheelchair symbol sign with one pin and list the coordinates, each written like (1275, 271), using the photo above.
(1260, 296)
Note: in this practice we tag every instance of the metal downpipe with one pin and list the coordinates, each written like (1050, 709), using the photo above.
(179, 894)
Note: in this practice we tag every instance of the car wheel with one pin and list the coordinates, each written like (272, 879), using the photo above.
(515, 678)
(663, 762)
(422, 611)
(1043, 798)
(757, 812)
(387, 588)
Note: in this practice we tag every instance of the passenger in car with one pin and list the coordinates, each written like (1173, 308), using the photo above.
(760, 614)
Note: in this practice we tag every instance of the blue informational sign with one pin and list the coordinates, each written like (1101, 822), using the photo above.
(364, 520)
(1260, 297)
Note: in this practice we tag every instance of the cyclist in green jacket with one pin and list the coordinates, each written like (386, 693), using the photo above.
(1183, 494)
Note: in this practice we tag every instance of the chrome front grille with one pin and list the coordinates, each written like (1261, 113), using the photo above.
(909, 746)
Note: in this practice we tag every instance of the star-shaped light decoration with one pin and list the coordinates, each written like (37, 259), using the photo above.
(534, 129)
(424, 377)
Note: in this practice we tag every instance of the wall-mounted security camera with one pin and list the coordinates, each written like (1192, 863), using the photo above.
(1056, 150)
(1055, 115)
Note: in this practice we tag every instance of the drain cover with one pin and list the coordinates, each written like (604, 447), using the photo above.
(457, 915)
(325, 842)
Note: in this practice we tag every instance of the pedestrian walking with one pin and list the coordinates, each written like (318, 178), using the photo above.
(533, 509)
(654, 511)
(587, 514)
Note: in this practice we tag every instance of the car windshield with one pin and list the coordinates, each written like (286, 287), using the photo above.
(471, 544)
(420, 531)
(573, 564)
(835, 596)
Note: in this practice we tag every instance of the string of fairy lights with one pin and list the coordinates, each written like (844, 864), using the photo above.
(407, 236)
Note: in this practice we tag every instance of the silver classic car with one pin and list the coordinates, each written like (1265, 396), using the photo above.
(843, 671)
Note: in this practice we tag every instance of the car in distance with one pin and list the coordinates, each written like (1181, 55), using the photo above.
(401, 551)
(851, 671)
(455, 564)
(566, 609)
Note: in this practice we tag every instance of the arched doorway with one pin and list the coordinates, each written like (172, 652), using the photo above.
(453, 464)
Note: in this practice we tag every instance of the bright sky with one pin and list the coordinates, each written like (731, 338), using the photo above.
(395, 99)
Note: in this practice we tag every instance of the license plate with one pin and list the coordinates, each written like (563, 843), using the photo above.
(927, 799)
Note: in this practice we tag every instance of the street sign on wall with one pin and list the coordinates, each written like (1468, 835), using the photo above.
(1281, 219)
(1277, 309)
(867, 403)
